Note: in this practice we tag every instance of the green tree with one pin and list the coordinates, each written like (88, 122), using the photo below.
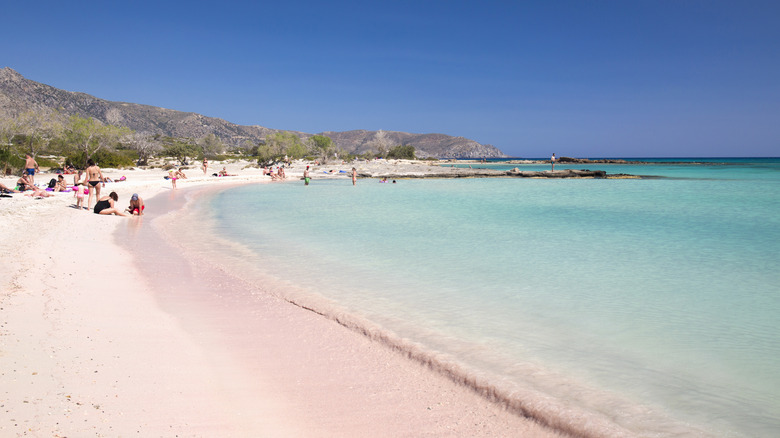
(405, 152)
(179, 149)
(211, 146)
(89, 136)
(38, 128)
(6, 145)
(278, 145)
(144, 144)
(322, 145)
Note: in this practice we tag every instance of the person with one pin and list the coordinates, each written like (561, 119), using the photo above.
(79, 192)
(24, 183)
(306, 178)
(5, 189)
(30, 167)
(383, 180)
(180, 174)
(354, 176)
(280, 172)
(105, 205)
(172, 176)
(205, 165)
(224, 172)
(61, 185)
(38, 193)
(552, 162)
(136, 207)
(94, 177)
(77, 178)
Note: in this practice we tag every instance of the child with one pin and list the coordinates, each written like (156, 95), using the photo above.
(172, 176)
(79, 193)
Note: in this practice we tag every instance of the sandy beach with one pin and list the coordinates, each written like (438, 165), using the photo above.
(106, 338)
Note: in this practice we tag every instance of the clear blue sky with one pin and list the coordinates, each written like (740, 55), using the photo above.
(578, 78)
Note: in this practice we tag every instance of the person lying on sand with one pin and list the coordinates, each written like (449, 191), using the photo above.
(6, 189)
(38, 193)
(106, 205)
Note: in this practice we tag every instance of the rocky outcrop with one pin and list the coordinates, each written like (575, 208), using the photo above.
(18, 95)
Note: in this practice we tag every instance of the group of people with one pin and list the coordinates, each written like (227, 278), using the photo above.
(279, 175)
(91, 183)
(175, 174)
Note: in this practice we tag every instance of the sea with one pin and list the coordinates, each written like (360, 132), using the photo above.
(650, 304)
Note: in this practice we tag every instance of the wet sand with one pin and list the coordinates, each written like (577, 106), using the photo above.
(109, 330)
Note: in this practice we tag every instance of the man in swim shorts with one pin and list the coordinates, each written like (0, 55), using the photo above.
(136, 205)
(30, 167)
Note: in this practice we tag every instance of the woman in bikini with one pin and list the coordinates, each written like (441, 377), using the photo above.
(94, 178)
(106, 205)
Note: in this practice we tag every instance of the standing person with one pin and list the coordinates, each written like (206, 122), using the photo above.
(172, 176)
(354, 176)
(78, 192)
(552, 162)
(30, 167)
(205, 165)
(306, 178)
(94, 178)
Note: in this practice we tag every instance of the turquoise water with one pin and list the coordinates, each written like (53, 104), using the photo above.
(652, 302)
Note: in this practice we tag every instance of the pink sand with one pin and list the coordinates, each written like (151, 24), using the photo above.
(98, 343)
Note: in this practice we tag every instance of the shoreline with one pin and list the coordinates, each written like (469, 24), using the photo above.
(517, 401)
(87, 348)
(380, 379)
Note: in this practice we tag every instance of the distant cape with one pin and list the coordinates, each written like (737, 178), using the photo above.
(18, 95)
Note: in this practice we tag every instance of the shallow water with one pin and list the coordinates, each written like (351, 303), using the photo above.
(654, 301)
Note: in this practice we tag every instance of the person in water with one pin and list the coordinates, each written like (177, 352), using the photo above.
(306, 178)
(107, 205)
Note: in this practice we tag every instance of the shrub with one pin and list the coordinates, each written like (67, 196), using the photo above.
(402, 152)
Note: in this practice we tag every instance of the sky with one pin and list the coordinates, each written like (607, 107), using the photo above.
(610, 78)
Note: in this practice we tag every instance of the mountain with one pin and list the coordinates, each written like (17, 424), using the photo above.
(18, 95)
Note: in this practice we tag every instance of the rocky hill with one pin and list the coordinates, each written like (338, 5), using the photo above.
(18, 94)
